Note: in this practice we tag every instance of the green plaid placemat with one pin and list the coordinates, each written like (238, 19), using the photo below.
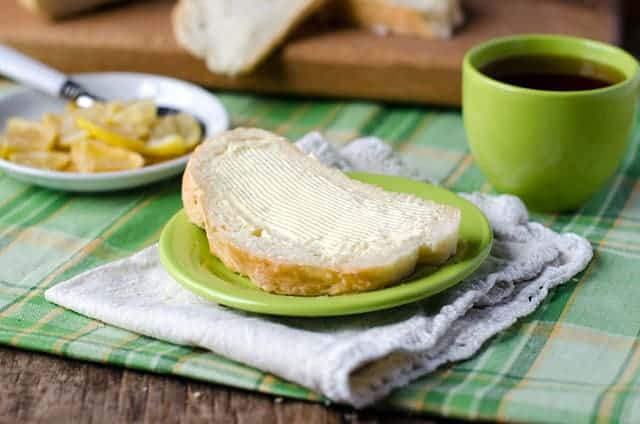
(576, 359)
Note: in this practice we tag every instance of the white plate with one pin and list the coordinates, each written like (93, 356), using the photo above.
(28, 103)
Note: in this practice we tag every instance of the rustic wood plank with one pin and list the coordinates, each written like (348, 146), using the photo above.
(42, 388)
(137, 36)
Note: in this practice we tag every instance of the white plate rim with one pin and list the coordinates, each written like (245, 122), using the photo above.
(98, 176)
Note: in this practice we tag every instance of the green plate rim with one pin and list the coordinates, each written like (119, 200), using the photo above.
(253, 299)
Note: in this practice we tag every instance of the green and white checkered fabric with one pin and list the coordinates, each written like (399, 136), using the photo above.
(577, 359)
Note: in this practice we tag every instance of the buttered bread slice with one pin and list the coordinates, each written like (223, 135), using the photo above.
(295, 226)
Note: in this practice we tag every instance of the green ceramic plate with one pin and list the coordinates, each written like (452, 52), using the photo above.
(184, 252)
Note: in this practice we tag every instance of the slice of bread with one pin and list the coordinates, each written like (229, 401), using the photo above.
(297, 227)
(233, 36)
(56, 9)
(424, 18)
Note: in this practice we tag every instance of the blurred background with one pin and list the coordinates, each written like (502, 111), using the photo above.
(335, 52)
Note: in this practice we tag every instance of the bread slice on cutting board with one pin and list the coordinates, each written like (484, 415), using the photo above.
(56, 9)
(424, 18)
(297, 227)
(233, 36)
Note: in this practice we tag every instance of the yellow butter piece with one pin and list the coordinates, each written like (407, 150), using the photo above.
(22, 135)
(181, 124)
(70, 132)
(52, 120)
(139, 113)
(56, 161)
(189, 128)
(96, 156)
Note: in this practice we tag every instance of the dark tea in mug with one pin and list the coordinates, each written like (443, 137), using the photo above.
(553, 73)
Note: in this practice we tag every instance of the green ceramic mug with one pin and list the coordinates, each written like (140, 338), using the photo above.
(554, 149)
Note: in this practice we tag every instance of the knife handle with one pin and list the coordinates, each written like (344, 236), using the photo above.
(28, 71)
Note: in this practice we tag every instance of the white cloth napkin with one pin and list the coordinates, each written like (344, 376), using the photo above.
(353, 359)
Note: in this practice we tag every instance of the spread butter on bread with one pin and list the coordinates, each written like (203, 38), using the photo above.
(295, 226)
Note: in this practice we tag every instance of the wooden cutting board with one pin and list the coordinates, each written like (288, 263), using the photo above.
(137, 36)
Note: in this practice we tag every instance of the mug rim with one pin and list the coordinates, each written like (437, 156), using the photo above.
(630, 77)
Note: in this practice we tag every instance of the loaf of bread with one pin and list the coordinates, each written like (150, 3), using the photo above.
(234, 36)
(423, 18)
(297, 227)
(56, 9)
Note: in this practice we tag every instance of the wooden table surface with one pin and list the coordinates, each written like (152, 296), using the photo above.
(42, 388)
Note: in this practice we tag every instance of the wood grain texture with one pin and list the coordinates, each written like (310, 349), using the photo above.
(41, 388)
(338, 63)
